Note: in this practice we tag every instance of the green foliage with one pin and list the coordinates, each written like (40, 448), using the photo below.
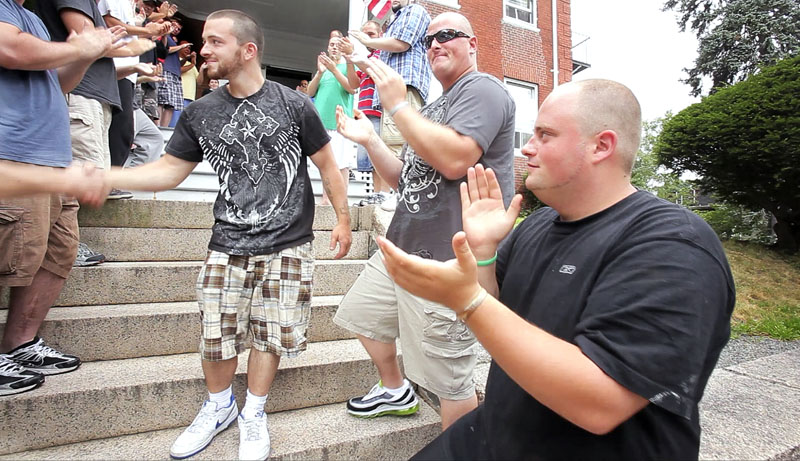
(744, 143)
(530, 202)
(737, 37)
(779, 322)
(734, 222)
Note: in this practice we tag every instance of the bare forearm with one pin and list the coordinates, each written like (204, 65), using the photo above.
(336, 191)
(21, 51)
(388, 44)
(442, 147)
(342, 80)
(553, 371)
(19, 179)
(313, 85)
(163, 174)
(388, 166)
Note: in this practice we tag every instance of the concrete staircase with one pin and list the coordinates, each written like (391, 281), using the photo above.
(134, 323)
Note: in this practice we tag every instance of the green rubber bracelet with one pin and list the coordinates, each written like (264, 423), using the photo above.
(488, 262)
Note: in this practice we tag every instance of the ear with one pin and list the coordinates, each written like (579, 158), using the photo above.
(473, 46)
(250, 51)
(605, 146)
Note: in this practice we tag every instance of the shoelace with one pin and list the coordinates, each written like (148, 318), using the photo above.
(42, 349)
(9, 366)
(377, 390)
(207, 416)
(252, 427)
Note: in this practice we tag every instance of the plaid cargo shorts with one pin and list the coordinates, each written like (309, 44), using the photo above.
(266, 295)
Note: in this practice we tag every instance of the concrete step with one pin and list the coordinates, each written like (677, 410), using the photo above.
(111, 398)
(120, 244)
(157, 282)
(168, 214)
(125, 331)
(324, 432)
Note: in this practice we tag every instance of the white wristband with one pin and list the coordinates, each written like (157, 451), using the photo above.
(476, 301)
(397, 107)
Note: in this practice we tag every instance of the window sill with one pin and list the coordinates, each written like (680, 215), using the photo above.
(449, 3)
(520, 24)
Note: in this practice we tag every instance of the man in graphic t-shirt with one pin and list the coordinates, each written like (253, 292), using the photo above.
(444, 140)
(257, 277)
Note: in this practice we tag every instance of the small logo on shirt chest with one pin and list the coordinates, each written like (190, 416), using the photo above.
(567, 269)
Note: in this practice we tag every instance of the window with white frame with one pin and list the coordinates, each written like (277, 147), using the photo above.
(526, 98)
(520, 10)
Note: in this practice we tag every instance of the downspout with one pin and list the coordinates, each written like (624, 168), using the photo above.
(554, 7)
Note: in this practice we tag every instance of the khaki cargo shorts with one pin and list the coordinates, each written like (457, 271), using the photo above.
(36, 232)
(439, 351)
(89, 120)
(390, 134)
(266, 295)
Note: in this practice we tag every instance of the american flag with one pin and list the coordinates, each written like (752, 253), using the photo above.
(379, 8)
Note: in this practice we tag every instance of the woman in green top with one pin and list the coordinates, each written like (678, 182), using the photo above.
(333, 85)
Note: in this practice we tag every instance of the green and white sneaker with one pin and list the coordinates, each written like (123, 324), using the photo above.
(380, 402)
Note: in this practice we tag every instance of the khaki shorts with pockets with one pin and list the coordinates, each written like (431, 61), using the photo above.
(439, 351)
(89, 120)
(266, 295)
(390, 134)
(39, 231)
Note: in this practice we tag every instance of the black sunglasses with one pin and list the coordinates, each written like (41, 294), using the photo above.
(443, 36)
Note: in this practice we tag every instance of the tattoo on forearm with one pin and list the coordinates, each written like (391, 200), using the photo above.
(326, 184)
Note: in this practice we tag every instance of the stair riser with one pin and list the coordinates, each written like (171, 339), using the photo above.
(76, 417)
(152, 335)
(192, 215)
(160, 283)
(136, 244)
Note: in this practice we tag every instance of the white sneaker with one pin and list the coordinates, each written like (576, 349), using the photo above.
(253, 437)
(208, 423)
(390, 202)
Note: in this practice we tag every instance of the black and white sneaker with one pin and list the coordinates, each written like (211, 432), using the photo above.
(87, 257)
(35, 356)
(15, 379)
(380, 402)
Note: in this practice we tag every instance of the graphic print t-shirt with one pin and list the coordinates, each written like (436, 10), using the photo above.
(259, 148)
(429, 205)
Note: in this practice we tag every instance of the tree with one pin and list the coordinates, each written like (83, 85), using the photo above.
(744, 142)
(649, 175)
(737, 37)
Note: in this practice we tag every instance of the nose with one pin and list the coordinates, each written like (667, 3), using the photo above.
(204, 51)
(529, 149)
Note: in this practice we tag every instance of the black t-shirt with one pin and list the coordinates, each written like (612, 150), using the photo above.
(100, 80)
(645, 290)
(259, 148)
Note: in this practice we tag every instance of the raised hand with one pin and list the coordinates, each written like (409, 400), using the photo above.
(360, 36)
(326, 61)
(94, 43)
(157, 29)
(139, 46)
(172, 9)
(320, 64)
(345, 46)
(483, 214)
(453, 283)
(358, 129)
(390, 85)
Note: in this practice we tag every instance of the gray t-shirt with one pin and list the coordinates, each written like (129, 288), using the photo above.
(429, 205)
(34, 123)
(100, 80)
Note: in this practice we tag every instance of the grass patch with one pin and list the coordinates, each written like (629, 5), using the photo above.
(767, 291)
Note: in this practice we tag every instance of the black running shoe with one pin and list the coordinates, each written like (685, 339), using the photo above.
(379, 402)
(35, 356)
(15, 379)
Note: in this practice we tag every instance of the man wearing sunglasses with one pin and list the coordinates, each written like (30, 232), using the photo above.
(402, 48)
(472, 122)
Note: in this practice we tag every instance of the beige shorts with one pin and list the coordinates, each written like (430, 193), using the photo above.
(89, 120)
(268, 296)
(439, 351)
(36, 232)
(390, 134)
(344, 150)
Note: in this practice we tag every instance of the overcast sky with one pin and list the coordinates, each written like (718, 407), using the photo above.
(637, 44)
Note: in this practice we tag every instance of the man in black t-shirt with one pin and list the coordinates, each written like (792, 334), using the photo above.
(257, 277)
(612, 305)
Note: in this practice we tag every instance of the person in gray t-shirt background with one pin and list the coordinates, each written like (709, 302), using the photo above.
(472, 122)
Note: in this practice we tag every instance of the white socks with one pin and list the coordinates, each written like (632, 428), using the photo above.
(253, 404)
(222, 399)
(399, 390)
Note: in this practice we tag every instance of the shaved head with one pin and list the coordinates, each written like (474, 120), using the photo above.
(608, 105)
(244, 28)
(452, 20)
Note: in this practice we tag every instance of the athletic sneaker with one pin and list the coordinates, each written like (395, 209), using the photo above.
(116, 194)
(390, 203)
(379, 402)
(37, 357)
(15, 379)
(87, 257)
(208, 423)
(253, 437)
